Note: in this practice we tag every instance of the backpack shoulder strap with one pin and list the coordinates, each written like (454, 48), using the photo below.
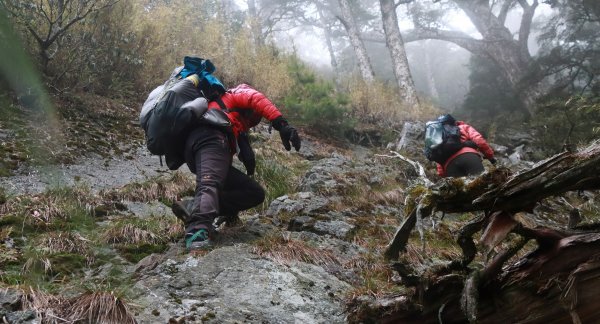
(221, 104)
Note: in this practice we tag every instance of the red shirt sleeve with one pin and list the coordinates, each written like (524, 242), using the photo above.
(472, 134)
(440, 170)
(249, 98)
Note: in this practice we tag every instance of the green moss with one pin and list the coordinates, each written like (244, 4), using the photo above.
(136, 252)
(11, 219)
(208, 316)
(66, 263)
(11, 275)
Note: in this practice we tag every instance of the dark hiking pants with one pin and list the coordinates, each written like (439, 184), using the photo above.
(464, 165)
(207, 154)
(240, 192)
(221, 189)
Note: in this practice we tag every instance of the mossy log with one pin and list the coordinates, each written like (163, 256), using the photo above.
(499, 190)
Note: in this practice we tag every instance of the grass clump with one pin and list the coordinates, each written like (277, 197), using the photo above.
(275, 177)
(89, 307)
(375, 277)
(8, 253)
(57, 208)
(163, 189)
(284, 250)
(66, 243)
(137, 238)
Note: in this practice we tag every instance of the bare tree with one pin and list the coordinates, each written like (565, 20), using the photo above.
(498, 43)
(395, 44)
(48, 21)
(329, 42)
(255, 23)
(347, 19)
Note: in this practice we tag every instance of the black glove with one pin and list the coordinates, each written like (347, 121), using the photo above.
(246, 154)
(288, 133)
(492, 160)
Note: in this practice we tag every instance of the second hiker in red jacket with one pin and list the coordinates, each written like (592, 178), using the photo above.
(467, 161)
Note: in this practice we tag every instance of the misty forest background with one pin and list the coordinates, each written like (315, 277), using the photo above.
(74, 74)
(360, 68)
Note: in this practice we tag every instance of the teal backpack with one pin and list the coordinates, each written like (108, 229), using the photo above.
(442, 140)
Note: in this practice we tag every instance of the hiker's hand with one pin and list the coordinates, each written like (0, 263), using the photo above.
(289, 135)
(246, 154)
(492, 161)
(250, 166)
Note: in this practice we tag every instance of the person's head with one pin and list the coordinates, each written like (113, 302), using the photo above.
(447, 119)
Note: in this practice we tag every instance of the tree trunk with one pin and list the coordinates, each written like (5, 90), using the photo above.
(364, 64)
(255, 24)
(395, 45)
(225, 12)
(431, 85)
(329, 43)
(497, 43)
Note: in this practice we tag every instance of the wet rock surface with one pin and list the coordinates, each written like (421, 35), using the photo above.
(231, 284)
(95, 173)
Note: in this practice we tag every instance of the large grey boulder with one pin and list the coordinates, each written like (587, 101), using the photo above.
(230, 284)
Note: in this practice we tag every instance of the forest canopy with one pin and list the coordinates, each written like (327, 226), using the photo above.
(533, 63)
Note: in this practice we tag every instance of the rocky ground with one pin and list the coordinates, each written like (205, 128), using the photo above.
(297, 260)
(75, 233)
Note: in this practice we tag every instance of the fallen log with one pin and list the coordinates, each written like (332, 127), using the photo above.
(499, 190)
(554, 283)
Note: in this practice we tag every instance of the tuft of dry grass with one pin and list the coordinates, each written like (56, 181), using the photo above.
(49, 308)
(66, 242)
(89, 307)
(151, 231)
(130, 234)
(284, 250)
(163, 188)
(100, 307)
(391, 197)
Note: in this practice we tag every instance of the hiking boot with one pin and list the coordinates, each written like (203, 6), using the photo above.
(183, 209)
(197, 240)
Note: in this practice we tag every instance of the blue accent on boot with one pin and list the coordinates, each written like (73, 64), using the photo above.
(197, 240)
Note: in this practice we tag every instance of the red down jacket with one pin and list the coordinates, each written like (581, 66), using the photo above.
(468, 133)
(246, 107)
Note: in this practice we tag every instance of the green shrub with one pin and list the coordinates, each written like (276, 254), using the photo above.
(315, 103)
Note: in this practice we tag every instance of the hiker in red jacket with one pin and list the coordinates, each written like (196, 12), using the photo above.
(221, 189)
(467, 161)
